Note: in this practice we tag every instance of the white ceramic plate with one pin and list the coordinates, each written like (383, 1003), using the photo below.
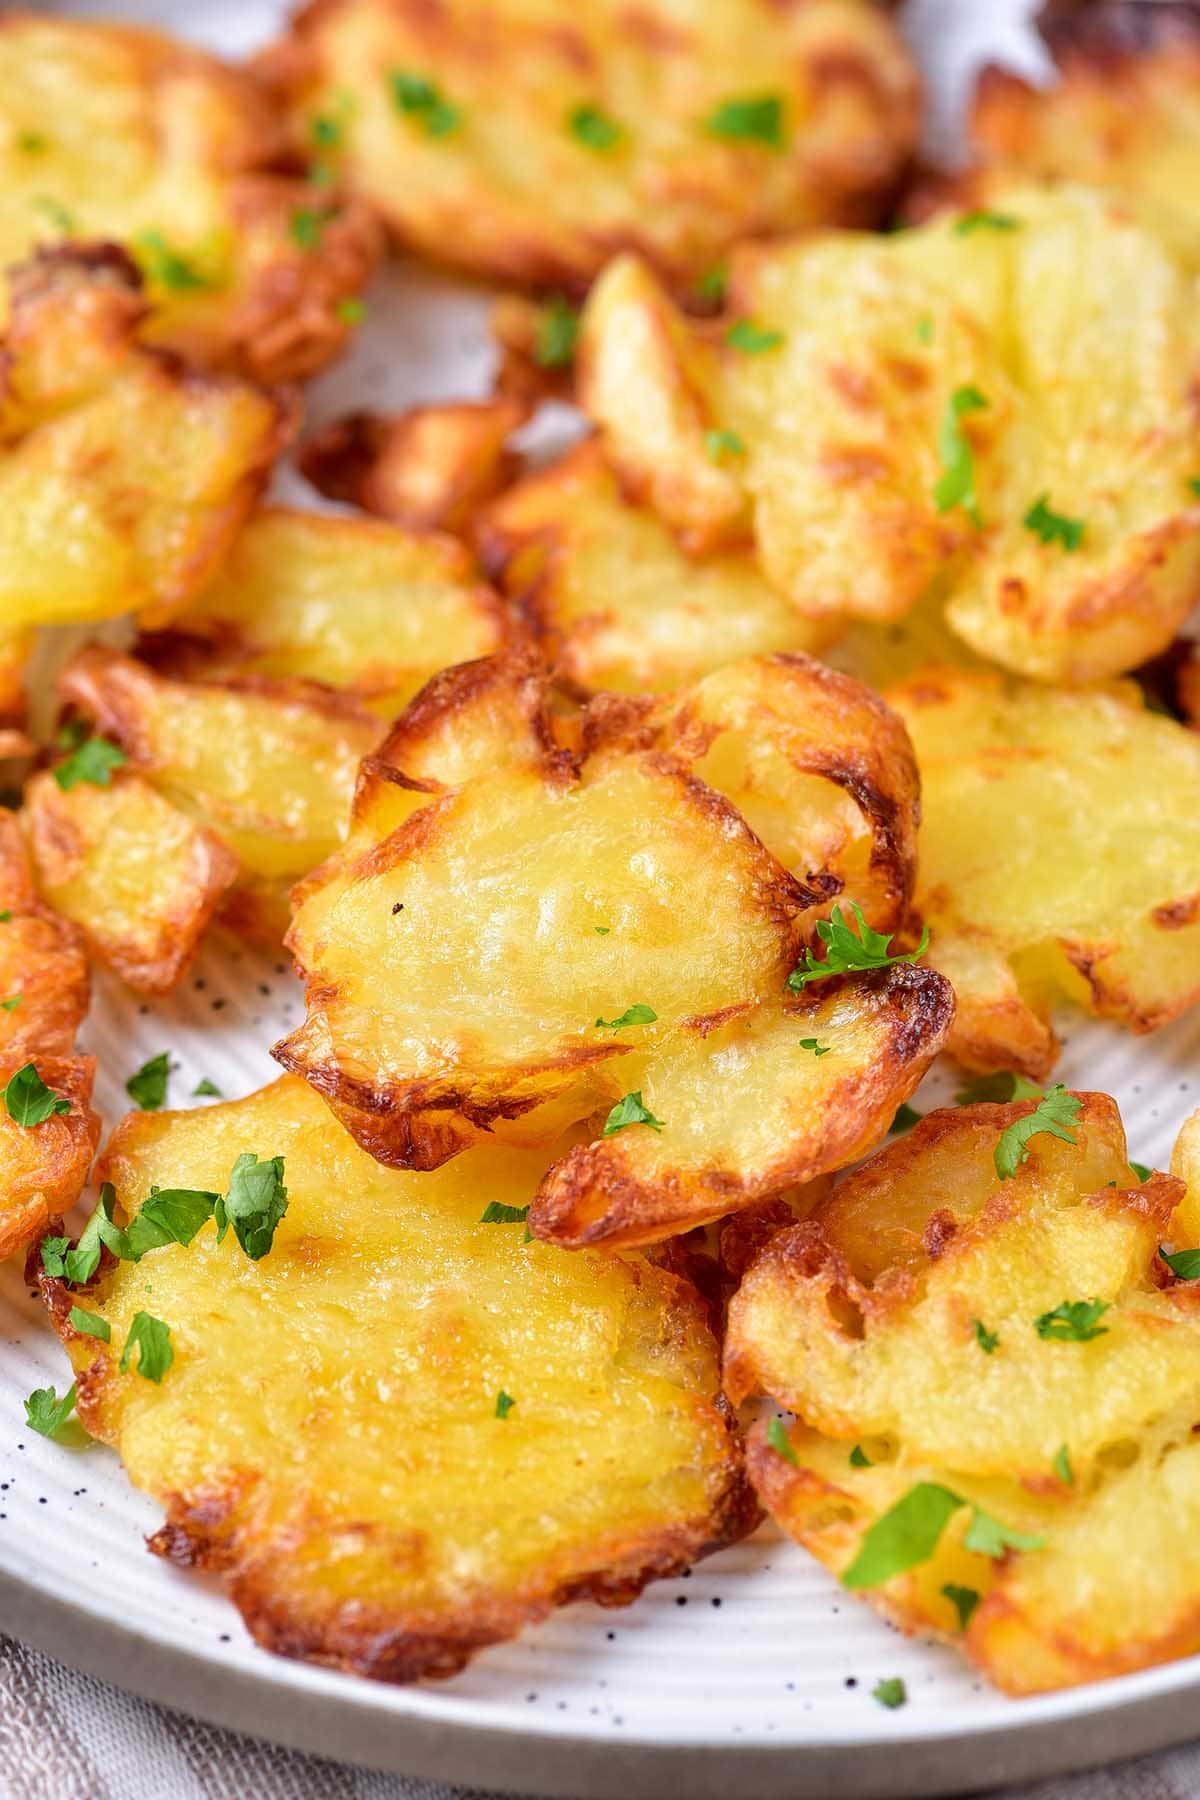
(755, 1671)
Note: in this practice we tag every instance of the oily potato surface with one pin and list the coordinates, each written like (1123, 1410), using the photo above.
(864, 374)
(350, 1477)
(456, 124)
(114, 134)
(1059, 854)
(863, 1322)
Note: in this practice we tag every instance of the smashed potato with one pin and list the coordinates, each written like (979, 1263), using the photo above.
(44, 1166)
(269, 767)
(1059, 854)
(113, 134)
(139, 877)
(44, 984)
(1011, 1364)
(123, 476)
(910, 410)
(351, 603)
(390, 1484)
(523, 145)
(519, 935)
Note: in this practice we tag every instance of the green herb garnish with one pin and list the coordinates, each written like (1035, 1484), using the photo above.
(30, 1101)
(593, 128)
(637, 1014)
(1049, 525)
(93, 762)
(1054, 1114)
(148, 1088)
(956, 485)
(152, 1341)
(777, 1437)
(847, 952)
(753, 339)
(46, 1413)
(90, 1324)
(504, 1404)
(757, 119)
(422, 102)
(630, 1111)
(496, 1213)
(987, 1340)
(557, 334)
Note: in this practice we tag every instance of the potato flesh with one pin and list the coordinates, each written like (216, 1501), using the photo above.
(838, 491)
(42, 965)
(357, 1484)
(1096, 803)
(43, 1168)
(358, 605)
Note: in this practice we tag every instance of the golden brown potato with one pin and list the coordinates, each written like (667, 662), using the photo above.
(1012, 1364)
(910, 411)
(352, 603)
(427, 469)
(353, 1430)
(524, 145)
(268, 766)
(43, 1166)
(1185, 1164)
(44, 985)
(118, 135)
(1059, 854)
(123, 475)
(139, 877)
(612, 599)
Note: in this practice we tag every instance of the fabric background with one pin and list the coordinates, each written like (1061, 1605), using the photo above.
(64, 1736)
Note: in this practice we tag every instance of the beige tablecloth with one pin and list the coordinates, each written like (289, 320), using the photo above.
(66, 1737)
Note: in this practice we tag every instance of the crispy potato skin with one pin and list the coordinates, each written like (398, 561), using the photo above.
(861, 1321)
(1062, 780)
(41, 960)
(43, 1168)
(139, 877)
(132, 133)
(124, 475)
(511, 194)
(840, 418)
(427, 469)
(354, 604)
(351, 1482)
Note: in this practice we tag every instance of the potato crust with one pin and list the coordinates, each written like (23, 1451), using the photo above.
(1032, 798)
(42, 964)
(43, 1168)
(863, 1322)
(458, 125)
(111, 133)
(124, 475)
(343, 1466)
(841, 365)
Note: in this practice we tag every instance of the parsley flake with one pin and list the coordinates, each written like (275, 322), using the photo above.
(757, 119)
(1054, 1114)
(166, 1216)
(890, 1692)
(859, 1458)
(777, 1437)
(90, 1324)
(325, 131)
(30, 1101)
(720, 444)
(601, 930)
(1073, 1322)
(94, 762)
(53, 1252)
(5, 916)
(964, 1600)
(905, 1118)
(745, 335)
(1183, 1263)
(905, 1535)
(1048, 525)
(593, 128)
(504, 1404)
(847, 952)
(1000, 1087)
(152, 1341)
(987, 1340)
(712, 284)
(1062, 1465)
(637, 1014)
(31, 142)
(982, 219)
(12, 1003)
(351, 310)
(557, 334)
(496, 1213)
(165, 267)
(988, 1537)
(815, 1045)
(956, 485)
(923, 330)
(1194, 483)
(148, 1088)
(46, 1413)
(1141, 1170)
(255, 1204)
(422, 102)
(630, 1111)
(306, 226)
(204, 1087)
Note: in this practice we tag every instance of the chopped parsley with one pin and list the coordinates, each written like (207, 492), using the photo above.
(923, 330)
(12, 1003)
(1048, 525)
(847, 952)
(890, 1692)
(5, 916)
(987, 1340)
(712, 284)
(46, 1413)
(1194, 483)
(254, 1205)
(351, 310)
(720, 444)
(325, 131)
(148, 1088)
(1183, 1263)
(166, 1216)
(956, 485)
(982, 219)
(1073, 1322)
(420, 101)
(496, 1213)
(999, 1087)
(1062, 1465)
(601, 930)
(306, 226)
(1054, 1114)
(93, 762)
(906, 1117)
(908, 1533)
(815, 1045)
(204, 1087)
(859, 1458)
(593, 128)
(90, 1324)
(964, 1600)
(777, 1437)
(504, 1404)
(745, 335)
(1141, 1170)
(165, 267)
(30, 1101)
(152, 1341)
(630, 1111)
(32, 142)
(757, 119)
(988, 1537)
(557, 334)
(637, 1014)
(53, 1253)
